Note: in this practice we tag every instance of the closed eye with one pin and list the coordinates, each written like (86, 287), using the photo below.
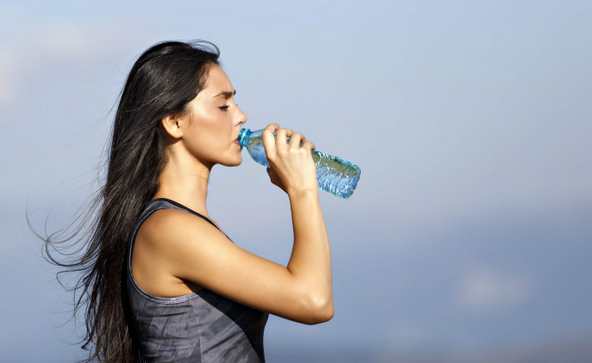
(224, 108)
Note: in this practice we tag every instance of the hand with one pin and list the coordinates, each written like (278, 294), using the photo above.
(291, 165)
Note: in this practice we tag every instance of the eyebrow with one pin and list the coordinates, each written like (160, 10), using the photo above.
(226, 94)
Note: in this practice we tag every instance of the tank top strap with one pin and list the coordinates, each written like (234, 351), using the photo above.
(164, 203)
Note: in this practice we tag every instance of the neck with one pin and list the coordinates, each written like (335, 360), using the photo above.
(185, 181)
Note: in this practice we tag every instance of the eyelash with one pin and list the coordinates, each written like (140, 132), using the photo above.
(224, 108)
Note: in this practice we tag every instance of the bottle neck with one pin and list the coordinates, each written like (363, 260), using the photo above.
(243, 136)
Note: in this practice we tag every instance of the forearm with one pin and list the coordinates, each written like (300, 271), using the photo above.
(310, 262)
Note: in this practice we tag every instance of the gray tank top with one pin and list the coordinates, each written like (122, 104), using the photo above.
(201, 327)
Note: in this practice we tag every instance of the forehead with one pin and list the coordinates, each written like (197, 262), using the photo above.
(217, 81)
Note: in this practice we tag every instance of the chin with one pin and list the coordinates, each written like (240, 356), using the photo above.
(235, 162)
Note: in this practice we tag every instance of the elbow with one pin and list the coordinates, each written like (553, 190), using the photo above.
(323, 315)
(318, 310)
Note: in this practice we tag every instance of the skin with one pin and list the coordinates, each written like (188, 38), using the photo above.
(177, 253)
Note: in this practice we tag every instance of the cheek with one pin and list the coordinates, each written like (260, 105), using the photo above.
(210, 129)
(208, 141)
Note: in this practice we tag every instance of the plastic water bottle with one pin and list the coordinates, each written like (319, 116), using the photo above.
(334, 175)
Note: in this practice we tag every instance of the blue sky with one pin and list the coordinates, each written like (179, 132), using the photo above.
(468, 237)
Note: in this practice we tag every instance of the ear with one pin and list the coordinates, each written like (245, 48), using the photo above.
(173, 126)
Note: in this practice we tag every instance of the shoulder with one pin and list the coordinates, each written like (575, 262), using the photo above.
(164, 242)
(184, 246)
(166, 227)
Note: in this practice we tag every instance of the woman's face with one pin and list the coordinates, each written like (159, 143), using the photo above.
(214, 122)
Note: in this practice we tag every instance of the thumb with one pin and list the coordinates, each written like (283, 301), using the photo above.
(271, 174)
(275, 180)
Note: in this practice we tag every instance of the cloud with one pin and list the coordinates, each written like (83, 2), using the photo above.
(486, 289)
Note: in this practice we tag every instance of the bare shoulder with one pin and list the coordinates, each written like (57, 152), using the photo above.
(172, 249)
(167, 227)
(162, 240)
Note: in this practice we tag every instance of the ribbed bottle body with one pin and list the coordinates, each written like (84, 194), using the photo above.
(334, 175)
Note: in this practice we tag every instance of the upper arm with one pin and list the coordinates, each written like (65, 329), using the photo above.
(194, 250)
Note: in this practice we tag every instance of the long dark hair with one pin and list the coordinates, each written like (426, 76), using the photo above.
(162, 81)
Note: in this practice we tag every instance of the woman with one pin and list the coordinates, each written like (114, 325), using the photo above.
(162, 281)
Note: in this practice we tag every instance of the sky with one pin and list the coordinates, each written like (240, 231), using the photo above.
(468, 237)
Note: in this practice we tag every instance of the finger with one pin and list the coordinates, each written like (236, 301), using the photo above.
(267, 136)
(273, 126)
(309, 145)
(282, 135)
(296, 140)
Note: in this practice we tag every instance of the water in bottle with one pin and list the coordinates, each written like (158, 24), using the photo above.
(334, 175)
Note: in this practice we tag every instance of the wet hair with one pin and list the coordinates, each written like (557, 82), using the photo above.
(162, 81)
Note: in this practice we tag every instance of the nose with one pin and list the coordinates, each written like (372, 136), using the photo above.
(240, 117)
